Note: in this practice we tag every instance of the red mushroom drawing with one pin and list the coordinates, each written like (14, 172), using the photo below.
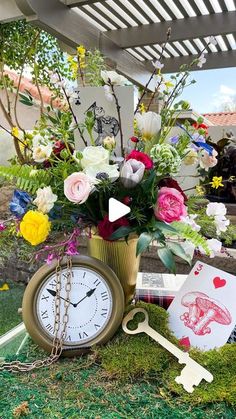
(202, 311)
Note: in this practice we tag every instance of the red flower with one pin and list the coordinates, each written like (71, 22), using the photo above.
(134, 139)
(144, 158)
(200, 126)
(171, 183)
(106, 228)
(58, 147)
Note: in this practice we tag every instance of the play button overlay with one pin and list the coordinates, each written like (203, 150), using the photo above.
(116, 210)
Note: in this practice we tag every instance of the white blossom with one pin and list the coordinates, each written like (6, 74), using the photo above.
(216, 209)
(157, 64)
(45, 199)
(212, 40)
(113, 77)
(189, 219)
(108, 93)
(201, 60)
(214, 246)
(41, 152)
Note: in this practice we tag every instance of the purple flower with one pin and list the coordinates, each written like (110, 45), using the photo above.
(50, 258)
(2, 227)
(174, 140)
(71, 249)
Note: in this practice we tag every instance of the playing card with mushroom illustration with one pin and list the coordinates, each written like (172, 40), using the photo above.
(203, 313)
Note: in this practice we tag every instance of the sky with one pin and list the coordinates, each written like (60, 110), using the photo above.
(213, 90)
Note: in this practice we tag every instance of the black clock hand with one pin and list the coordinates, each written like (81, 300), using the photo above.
(53, 293)
(88, 294)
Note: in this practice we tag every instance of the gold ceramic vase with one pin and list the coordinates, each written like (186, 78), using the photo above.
(121, 257)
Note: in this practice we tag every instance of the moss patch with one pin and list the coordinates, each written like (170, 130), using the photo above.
(139, 356)
(130, 377)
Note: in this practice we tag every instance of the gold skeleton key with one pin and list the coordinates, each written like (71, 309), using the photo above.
(192, 374)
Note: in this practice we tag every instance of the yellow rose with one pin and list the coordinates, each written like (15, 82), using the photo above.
(35, 227)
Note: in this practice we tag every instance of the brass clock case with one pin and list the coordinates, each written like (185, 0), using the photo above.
(29, 305)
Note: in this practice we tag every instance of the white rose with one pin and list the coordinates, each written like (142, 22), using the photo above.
(45, 199)
(98, 172)
(41, 152)
(149, 123)
(94, 155)
(113, 77)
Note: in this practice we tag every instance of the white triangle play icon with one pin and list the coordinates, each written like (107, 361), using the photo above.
(116, 210)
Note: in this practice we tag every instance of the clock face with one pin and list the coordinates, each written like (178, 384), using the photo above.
(90, 307)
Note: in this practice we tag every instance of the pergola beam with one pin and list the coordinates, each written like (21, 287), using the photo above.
(76, 3)
(68, 26)
(187, 28)
(213, 60)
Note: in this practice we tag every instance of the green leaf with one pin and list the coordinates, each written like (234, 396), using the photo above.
(165, 228)
(120, 233)
(143, 242)
(178, 250)
(167, 258)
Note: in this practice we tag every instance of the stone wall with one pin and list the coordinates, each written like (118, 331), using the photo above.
(22, 272)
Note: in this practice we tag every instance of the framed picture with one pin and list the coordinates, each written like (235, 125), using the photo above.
(106, 114)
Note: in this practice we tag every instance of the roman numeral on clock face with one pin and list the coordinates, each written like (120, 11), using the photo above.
(97, 282)
(49, 327)
(44, 314)
(97, 326)
(45, 297)
(104, 312)
(67, 275)
(53, 283)
(104, 295)
(83, 335)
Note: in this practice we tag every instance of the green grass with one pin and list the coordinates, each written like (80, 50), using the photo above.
(128, 378)
(10, 301)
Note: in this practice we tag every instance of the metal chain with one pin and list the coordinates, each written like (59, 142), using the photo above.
(57, 345)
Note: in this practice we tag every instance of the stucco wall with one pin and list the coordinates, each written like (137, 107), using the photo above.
(27, 118)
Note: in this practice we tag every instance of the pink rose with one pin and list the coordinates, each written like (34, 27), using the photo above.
(77, 187)
(170, 205)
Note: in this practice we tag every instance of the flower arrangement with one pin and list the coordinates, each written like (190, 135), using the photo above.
(63, 189)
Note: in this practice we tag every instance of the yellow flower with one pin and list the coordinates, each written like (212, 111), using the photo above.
(142, 108)
(81, 51)
(216, 182)
(15, 132)
(168, 84)
(35, 227)
(200, 190)
(4, 287)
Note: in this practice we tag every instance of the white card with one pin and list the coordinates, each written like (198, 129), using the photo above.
(203, 313)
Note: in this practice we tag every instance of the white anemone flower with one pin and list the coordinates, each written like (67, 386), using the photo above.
(98, 172)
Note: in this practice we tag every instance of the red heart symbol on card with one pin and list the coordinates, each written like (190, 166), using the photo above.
(185, 342)
(219, 282)
(196, 273)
